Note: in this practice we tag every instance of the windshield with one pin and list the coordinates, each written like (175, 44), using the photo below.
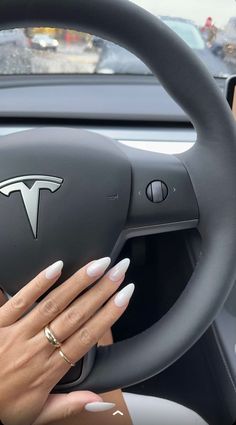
(207, 26)
(188, 32)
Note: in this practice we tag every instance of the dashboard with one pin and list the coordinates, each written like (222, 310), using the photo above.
(135, 110)
(132, 110)
(116, 98)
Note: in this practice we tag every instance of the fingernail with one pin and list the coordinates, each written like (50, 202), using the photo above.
(123, 297)
(54, 270)
(98, 267)
(99, 406)
(119, 270)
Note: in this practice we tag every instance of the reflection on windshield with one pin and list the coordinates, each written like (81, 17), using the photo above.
(60, 51)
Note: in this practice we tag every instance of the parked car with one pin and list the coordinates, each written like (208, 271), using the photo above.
(44, 42)
(15, 54)
(15, 37)
(225, 42)
(191, 34)
(97, 42)
(114, 59)
(230, 37)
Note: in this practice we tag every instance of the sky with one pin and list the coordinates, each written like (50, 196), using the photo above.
(196, 10)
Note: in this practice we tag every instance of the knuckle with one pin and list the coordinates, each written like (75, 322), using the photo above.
(110, 316)
(73, 317)
(85, 337)
(69, 411)
(104, 286)
(18, 303)
(49, 308)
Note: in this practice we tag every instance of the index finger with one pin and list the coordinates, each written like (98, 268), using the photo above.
(18, 305)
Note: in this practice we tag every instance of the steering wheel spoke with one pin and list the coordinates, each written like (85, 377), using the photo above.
(162, 196)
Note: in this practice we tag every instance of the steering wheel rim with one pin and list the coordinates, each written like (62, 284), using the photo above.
(209, 166)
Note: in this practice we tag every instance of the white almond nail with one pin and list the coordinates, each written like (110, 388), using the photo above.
(99, 406)
(123, 297)
(98, 267)
(119, 270)
(54, 270)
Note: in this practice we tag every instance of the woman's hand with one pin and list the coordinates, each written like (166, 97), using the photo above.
(30, 365)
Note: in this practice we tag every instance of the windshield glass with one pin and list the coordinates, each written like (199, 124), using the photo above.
(207, 26)
(188, 32)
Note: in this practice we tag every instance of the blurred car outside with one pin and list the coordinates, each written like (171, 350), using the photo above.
(14, 37)
(44, 42)
(201, 45)
(15, 53)
(116, 60)
(224, 44)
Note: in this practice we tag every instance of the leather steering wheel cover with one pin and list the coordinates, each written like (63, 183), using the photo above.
(210, 164)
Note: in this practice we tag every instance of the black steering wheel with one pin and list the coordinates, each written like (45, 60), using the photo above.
(94, 192)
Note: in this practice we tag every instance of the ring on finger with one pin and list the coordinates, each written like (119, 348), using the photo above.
(51, 337)
(67, 360)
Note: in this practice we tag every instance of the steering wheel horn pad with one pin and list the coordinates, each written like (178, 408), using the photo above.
(101, 198)
(60, 200)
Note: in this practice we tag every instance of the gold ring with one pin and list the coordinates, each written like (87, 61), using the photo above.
(66, 358)
(51, 337)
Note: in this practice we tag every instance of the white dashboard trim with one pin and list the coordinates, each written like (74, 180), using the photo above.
(168, 141)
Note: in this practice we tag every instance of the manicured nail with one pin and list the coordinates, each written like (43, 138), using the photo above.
(123, 297)
(54, 270)
(98, 267)
(119, 270)
(99, 406)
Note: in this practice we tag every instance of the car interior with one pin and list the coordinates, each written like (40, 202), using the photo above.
(146, 164)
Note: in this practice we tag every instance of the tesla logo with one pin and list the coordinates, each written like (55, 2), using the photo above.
(29, 187)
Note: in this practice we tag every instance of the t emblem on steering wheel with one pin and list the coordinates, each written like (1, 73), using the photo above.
(29, 187)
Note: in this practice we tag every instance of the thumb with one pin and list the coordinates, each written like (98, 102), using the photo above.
(62, 406)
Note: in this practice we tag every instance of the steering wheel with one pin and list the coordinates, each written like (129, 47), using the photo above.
(96, 193)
